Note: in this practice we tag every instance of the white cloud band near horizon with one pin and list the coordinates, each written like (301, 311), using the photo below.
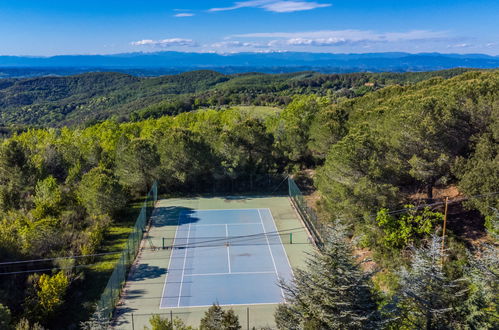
(332, 37)
(276, 6)
(284, 41)
(172, 42)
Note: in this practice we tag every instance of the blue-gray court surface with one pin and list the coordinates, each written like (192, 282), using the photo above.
(229, 257)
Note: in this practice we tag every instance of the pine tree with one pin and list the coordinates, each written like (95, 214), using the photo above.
(332, 293)
(215, 318)
(427, 298)
(481, 308)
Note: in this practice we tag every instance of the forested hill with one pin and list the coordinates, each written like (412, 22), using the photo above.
(91, 97)
(375, 158)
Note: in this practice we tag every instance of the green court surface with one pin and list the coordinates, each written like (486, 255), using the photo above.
(143, 292)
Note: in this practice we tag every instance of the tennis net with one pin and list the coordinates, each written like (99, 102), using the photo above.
(214, 241)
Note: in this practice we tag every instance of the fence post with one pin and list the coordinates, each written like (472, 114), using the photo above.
(171, 317)
(247, 317)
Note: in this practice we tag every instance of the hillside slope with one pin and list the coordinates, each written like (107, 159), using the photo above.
(90, 97)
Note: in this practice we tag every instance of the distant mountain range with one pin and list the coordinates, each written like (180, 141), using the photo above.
(159, 63)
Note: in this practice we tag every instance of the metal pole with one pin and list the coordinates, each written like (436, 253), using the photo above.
(443, 230)
(133, 323)
(163, 243)
(171, 317)
(247, 317)
(290, 238)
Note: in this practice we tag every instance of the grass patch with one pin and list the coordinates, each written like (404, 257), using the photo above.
(86, 291)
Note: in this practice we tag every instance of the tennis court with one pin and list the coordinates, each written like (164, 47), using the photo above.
(236, 229)
(223, 256)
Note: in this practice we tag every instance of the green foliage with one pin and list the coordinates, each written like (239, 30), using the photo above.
(296, 120)
(399, 231)
(5, 317)
(48, 197)
(481, 308)
(407, 136)
(61, 190)
(479, 175)
(93, 97)
(24, 324)
(138, 164)
(427, 298)
(332, 293)
(159, 323)
(100, 192)
(215, 318)
(51, 291)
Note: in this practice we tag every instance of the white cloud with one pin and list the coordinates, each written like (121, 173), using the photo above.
(184, 15)
(239, 44)
(460, 45)
(276, 6)
(172, 42)
(343, 37)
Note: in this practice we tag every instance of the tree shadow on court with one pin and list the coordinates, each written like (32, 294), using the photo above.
(144, 271)
(169, 216)
(122, 315)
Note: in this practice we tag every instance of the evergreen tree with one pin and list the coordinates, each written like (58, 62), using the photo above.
(427, 298)
(332, 293)
(215, 318)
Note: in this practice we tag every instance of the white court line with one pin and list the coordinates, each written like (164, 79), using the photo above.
(203, 210)
(169, 263)
(280, 240)
(270, 250)
(233, 273)
(228, 250)
(248, 304)
(183, 267)
(224, 224)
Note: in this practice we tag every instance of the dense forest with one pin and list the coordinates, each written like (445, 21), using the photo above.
(375, 156)
(88, 98)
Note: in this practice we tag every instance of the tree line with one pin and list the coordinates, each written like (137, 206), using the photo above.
(61, 189)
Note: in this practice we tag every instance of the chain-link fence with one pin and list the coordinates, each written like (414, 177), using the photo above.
(249, 317)
(226, 184)
(111, 293)
(316, 227)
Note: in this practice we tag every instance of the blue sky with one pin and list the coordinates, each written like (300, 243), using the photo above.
(50, 27)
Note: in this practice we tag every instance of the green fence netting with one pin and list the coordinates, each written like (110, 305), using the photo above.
(316, 227)
(111, 293)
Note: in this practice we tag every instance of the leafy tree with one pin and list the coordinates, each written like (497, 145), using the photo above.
(332, 293)
(159, 323)
(16, 174)
(327, 128)
(297, 118)
(51, 291)
(215, 318)
(24, 324)
(5, 317)
(180, 151)
(479, 175)
(399, 231)
(357, 176)
(246, 147)
(100, 192)
(48, 197)
(137, 164)
(46, 295)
